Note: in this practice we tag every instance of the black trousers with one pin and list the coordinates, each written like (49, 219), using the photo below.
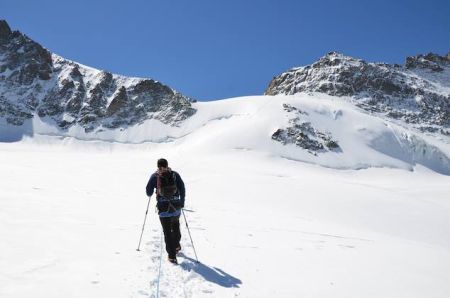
(172, 235)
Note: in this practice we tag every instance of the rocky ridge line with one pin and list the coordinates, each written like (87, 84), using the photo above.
(35, 82)
(417, 93)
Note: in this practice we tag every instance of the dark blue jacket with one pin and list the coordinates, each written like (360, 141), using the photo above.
(152, 184)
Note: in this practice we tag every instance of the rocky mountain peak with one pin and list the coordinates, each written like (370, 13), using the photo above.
(37, 83)
(430, 61)
(5, 31)
(417, 92)
(335, 59)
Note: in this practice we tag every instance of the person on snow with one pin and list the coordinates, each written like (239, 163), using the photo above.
(170, 193)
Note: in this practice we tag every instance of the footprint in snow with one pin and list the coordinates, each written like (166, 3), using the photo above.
(143, 293)
(346, 246)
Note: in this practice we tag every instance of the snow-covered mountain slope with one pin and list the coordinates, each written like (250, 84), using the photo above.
(318, 129)
(263, 225)
(417, 93)
(35, 83)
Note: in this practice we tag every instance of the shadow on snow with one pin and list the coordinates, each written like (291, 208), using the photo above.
(211, 274)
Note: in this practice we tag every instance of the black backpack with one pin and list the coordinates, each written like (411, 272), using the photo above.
(167, 184)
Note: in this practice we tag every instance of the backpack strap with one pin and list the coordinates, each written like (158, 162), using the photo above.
(174, 178)
(171, 206)
(158, 184)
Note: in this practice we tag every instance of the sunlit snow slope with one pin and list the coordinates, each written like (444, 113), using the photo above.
(268, 218)
(248, 123)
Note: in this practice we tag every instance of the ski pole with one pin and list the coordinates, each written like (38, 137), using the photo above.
(190, 235)
(145, 219)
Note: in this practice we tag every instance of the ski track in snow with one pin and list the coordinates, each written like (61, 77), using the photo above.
(167, 279)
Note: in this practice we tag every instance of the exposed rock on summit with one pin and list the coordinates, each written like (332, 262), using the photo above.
(417, 93)
(5, 31)
(37, 83)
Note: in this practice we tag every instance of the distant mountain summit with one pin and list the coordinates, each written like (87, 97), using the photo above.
(417, 93)
(37, 83)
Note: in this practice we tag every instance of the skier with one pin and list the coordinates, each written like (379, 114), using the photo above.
(170, 194)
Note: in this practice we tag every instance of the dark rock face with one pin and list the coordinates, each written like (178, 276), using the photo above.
(303, 134)
(26, 59)
(429, 61)
(35, 82)
(414, 93)
(119, 102)
(5, 31)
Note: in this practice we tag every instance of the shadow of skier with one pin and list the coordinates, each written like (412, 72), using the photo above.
(214, 274)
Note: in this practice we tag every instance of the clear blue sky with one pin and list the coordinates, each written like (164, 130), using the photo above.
(214, 49)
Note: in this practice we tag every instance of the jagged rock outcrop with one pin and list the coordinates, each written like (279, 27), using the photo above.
(429, 61)
(303, 134)
(5, 31)
(35, 82)
(416, 93)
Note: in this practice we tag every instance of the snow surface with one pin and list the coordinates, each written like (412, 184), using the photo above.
(267, 220)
